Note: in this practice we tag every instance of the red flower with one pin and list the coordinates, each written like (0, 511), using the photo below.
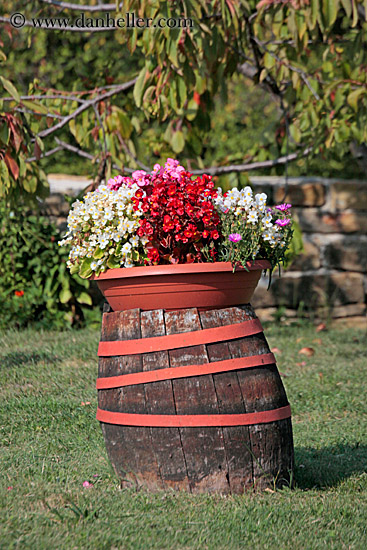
(19, 293)
(178, 215)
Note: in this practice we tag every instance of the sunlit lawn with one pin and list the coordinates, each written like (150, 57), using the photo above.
(51, 444)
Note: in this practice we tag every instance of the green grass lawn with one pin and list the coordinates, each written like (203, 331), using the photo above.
(50, 443)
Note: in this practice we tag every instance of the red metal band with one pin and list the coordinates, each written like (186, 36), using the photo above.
(193, 421)
(184, 371)
(181, 340)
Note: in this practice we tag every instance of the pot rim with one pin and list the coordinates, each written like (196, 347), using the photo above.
(178, 269)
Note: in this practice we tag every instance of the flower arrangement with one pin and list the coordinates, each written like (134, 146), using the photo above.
(168, 217)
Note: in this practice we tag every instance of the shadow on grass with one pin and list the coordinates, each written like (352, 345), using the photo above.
(329, 466)
(17, 358)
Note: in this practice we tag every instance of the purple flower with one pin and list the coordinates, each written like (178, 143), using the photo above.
(235, 237)
(283, 206)
(283, 223)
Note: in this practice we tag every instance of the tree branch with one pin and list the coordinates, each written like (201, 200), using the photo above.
(85, 105)
(290, 67)
(218, 170)
(86, 155)
(82, 7)
(33, 97)
(130, 154)
(47, 154)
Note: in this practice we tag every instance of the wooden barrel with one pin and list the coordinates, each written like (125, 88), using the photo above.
(192, 400)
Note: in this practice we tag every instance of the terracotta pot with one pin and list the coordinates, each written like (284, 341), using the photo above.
(177, 286)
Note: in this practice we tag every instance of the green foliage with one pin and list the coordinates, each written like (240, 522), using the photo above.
(309, 58)
(35, 286)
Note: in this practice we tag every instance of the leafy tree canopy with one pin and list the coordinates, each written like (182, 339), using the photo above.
(127, 98)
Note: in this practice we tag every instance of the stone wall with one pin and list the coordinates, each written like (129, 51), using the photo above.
(329, 280)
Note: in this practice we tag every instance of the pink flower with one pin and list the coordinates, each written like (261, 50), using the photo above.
(87, 485)
(283, 206)
(283, 223)
(235, 237)
(9, 488)
(141, 177)
(115, 183)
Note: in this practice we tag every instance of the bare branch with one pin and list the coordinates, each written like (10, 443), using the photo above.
(99, 120)
(86, 155)
(48, 115)
(130, 154)
(86, 105)
(37, 97)
(62, 28)
(47, 154)
(290, 67)
(82, 7)
(218, 170)
(247, 70)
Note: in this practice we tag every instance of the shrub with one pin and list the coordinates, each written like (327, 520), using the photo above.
(35, 285)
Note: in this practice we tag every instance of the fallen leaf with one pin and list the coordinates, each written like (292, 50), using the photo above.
(307, 351)
(275, 350)
(303, 364)
(299, 340)
(317, 341)
(321, 327)
(268, 490)
(321, 376)
(283, 374)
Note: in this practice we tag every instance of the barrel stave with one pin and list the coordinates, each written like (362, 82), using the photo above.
(198, 459)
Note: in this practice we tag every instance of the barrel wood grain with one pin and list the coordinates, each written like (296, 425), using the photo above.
(202, 459)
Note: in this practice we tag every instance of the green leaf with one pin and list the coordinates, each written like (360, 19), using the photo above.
(84, 298)
(347, 5)
(178, 141)
(182, 91)
(113, 262)
(98, 254)
(4, 173)
(74, 269)
(354, 96)
(139, 87)
(4, 133)
(30, 184)
(315, 8)
(65, 295)
(330, 11)
(125, 126)
(85, 269)
(9, 87)
(34, 106)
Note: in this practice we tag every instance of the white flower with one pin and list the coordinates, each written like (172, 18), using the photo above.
(252, 216)
(267, 235)
(134, 240)
(108, 214)
(103, 242)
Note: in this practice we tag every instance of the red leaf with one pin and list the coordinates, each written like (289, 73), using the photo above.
(275, 350)
(37, 150)
(321, 327)
(12, 165)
